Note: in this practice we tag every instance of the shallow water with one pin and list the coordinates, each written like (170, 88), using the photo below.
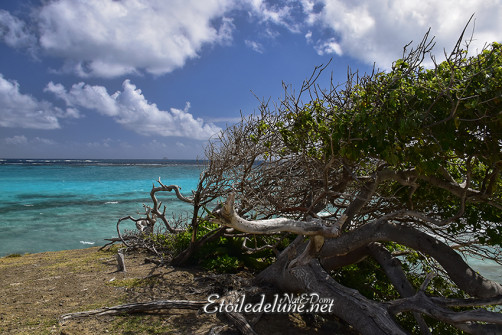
(49, 205)
(65, 204)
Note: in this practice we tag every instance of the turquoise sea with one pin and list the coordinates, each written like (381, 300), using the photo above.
(49, 205)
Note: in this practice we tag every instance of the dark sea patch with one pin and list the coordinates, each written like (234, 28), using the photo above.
(30, 196)
(66, 203)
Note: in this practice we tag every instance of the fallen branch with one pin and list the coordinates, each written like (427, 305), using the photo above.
(135, 308)
(236, 319)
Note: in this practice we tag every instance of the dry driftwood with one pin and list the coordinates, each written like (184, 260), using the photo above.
(139, 307)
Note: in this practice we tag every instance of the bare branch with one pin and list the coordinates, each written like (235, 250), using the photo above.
(135, 308)
(423, 304)
(228, 217)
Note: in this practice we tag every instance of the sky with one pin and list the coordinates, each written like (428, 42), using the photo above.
(147, 79)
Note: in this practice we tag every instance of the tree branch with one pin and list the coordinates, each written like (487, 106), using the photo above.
(380, 230)
(423, 304)
(394, 271)
(228, 217)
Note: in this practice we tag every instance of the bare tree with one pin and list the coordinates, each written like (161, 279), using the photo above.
(402, 168)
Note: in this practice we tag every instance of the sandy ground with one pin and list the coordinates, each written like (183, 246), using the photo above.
(36, 289)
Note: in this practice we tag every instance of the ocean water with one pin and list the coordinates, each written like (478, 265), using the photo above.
(49, 205)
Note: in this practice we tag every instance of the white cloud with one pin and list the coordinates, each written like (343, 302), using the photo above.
(104, 143)
(255, 46)
(18, 110)
(23, 140)
(377, 30)
(277, 15)
(286, 13)
(16, 140)
(14, 32)
(87, 96)
(106, 38)
(45, 141)
(329, 46)
(133, 111)
(111, 38)
(308, 36)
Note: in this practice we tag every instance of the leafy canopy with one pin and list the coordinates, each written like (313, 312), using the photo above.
(412, 116)
(443, 124)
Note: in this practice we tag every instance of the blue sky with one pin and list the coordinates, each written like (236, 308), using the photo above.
(157, 78)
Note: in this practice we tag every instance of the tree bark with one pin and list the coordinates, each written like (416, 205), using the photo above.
(464, 320)
(394, 271)
(380, 231)
(228, 217)
(366, 316)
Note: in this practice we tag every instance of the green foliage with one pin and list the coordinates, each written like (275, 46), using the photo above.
(134, 282)
(406, 117)
(13, 255)
(222, 264)
(167, 243)
(368, 279)
(437, 122)
(224, 254)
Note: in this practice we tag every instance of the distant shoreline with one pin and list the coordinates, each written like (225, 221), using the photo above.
(115, 161)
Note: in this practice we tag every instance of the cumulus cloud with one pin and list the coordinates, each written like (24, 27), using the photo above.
(105, 38)
(113, 38)
(18, 110)
(87, 96)
(329, 46)
(132, 110)
(14, 31)
(377, 30)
